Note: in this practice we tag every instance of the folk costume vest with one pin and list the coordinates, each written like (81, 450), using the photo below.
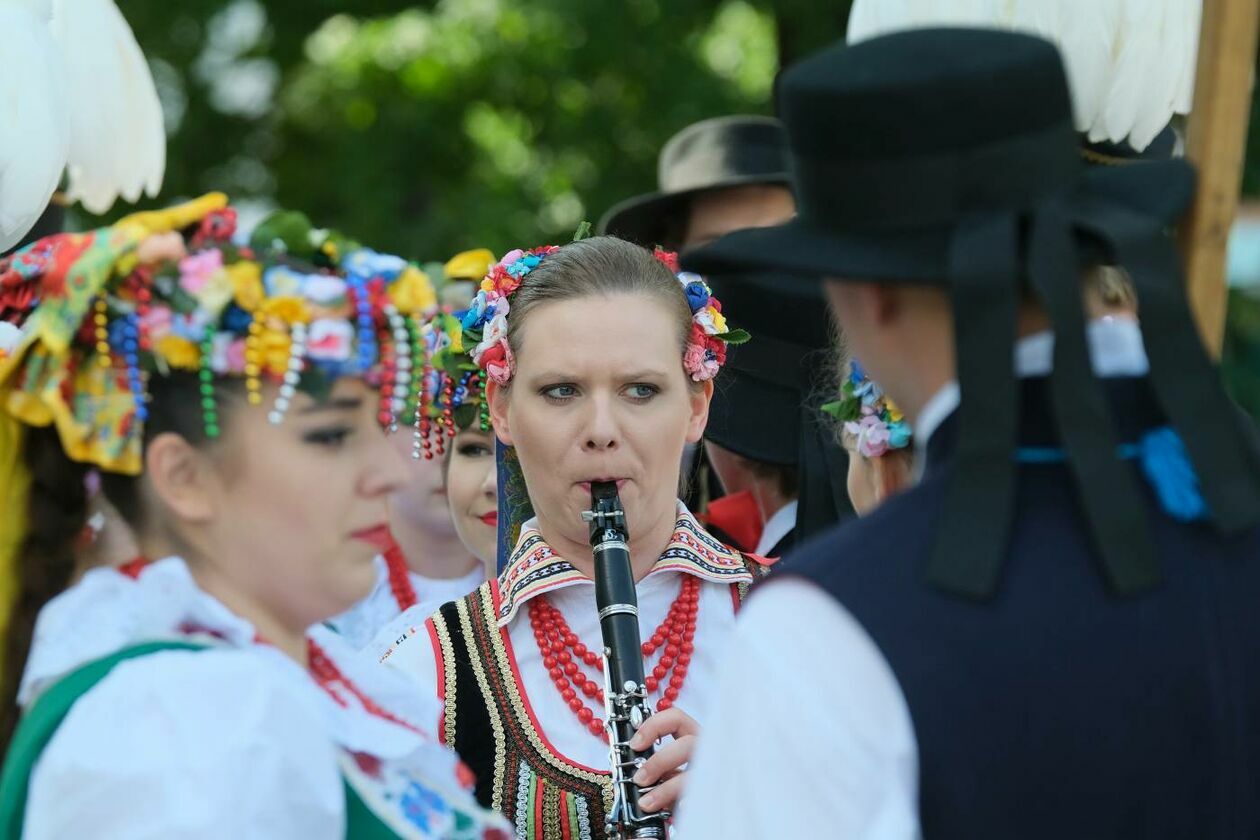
(488, 717)
(1056, 709)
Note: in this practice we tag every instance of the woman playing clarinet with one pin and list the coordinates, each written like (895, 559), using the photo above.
(600, 360)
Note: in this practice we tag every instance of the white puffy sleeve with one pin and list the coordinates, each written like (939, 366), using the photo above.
(810, 735)
(207, 744)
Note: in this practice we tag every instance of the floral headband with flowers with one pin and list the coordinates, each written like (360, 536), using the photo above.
(869, 415)
(485, 322)
(453, 395)
(89, 318)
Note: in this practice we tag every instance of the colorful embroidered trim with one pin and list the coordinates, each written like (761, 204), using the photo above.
(535, 568)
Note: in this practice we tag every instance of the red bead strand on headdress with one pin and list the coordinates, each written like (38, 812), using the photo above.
(399, 577)
(330, 678)
(562, 651)
(141, 278)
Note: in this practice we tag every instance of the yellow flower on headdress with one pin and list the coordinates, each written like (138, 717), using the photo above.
(215, 295)
(894, 413)
(412, 292)
(469, 265)
(290, 310)
(275, 347)
(247, 287)
(178, 352)
(719, 320)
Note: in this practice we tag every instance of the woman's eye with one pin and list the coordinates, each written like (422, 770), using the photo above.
(642, 391)
(559, 393)
(474, 450)
(333, 437)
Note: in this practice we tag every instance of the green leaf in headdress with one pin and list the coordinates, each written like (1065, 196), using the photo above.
(454, 364)
(316, 383)
(332, 246)
(290, 228)
(465, 416)
(833, 408)
(734, 336)
(583, 231)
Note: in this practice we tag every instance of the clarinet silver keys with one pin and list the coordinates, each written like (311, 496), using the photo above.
(625, 692)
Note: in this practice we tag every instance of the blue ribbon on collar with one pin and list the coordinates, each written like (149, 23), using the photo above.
(1164, 461)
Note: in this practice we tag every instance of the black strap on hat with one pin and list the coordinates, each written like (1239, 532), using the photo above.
(823, 499)
(1185, 380)
(1113, 507)
(983, 263)
(968, 561)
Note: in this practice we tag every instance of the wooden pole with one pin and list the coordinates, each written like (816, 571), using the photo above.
(1215, 142)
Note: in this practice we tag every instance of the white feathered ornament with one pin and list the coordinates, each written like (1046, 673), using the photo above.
(1130, 63)
(76, 97)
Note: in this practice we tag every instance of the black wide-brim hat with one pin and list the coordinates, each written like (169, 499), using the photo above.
(758, 399)
(765, 405)
(948, 157)
(713, 154)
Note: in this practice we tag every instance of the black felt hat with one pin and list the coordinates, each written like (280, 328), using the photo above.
(948, 157)
(766, 403)
(709, 155)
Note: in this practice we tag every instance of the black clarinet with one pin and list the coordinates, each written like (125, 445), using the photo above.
(625, 692)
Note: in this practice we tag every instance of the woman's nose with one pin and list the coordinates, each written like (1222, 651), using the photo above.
(384, 470)
(601, 427)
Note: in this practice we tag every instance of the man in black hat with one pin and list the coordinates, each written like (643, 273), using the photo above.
(766, 436)
(1053, 634)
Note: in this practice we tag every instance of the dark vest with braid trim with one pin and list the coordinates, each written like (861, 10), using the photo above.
(1056, 709)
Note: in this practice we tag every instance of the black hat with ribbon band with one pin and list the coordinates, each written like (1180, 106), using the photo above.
(765, 404)
(948, 157)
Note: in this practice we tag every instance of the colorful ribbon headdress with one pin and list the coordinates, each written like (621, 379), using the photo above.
(88, 319)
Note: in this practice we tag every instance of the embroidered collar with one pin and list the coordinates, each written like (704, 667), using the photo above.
(536, 568)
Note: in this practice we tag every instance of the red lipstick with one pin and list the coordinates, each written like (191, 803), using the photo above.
(377, 535)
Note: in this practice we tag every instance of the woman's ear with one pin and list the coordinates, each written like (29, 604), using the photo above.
(700, 399)
(180, 477)
(497, 398)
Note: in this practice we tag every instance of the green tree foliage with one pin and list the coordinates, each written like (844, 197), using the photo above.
(428, 128)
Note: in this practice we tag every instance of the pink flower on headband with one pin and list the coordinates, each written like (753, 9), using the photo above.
(704, 355)
(499, 362)
(196, 270)
(873, 436)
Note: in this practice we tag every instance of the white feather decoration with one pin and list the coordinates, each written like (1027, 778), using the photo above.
(117, 138)
(1130, 63)
(34, 127)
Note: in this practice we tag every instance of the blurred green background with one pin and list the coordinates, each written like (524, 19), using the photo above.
(428, 127)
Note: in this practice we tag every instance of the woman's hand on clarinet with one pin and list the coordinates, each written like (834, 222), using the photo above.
(665, 768)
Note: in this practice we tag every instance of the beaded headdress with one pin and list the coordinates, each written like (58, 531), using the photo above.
(869, 414)
(453, 396)
(89, 318)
